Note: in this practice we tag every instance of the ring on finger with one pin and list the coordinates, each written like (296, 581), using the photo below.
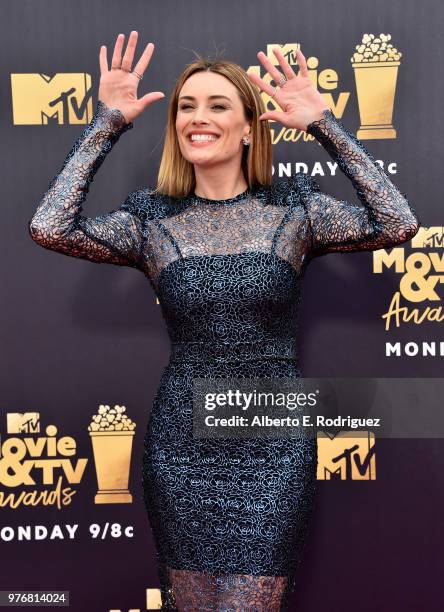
(139, 76)
(115, 67)
(282, 80)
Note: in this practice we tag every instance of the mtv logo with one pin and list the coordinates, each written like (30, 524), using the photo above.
(26, 422)
(346, 456)
(288, 50)
(429, 237)
(39, 99)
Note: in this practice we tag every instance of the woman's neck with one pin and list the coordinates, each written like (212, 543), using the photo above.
(219, 187)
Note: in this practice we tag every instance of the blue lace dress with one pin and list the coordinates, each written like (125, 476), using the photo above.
(229, 517)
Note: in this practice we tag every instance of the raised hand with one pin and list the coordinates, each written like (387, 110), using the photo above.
(118, 85)
(300, 101)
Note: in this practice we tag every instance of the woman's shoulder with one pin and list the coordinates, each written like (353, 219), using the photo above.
(290, 190)
(147, 204)
(300, 182)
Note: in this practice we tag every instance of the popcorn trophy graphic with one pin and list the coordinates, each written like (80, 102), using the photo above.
(112, 434)
(375, 63)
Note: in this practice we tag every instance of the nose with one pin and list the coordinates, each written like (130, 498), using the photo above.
(199, 116)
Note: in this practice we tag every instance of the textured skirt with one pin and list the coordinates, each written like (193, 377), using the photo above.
(229, 517)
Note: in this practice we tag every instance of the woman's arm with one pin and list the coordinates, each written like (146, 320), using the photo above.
(387, 218)
(57, 224)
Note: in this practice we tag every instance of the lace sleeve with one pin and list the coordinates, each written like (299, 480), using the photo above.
(57, 224)
(387, 218)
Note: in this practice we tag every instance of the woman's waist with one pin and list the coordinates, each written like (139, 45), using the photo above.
(233, 351)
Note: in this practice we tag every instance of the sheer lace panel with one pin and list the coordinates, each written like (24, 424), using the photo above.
(387, 217)
(248, 225)
(201, 591)
(292, 241)
(114, 237)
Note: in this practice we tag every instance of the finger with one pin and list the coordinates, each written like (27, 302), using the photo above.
(144, 60)
(273, 92)
(129, 51)
(269, 67)
(263, 86)
(117, 54)
(151, 97)
(103, 60)
(286, 68)
(274, 116)
(302, 63)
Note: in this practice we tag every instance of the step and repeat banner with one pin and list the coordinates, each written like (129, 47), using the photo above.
(84, 345)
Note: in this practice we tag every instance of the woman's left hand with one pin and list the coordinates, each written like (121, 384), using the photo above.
(300, 101)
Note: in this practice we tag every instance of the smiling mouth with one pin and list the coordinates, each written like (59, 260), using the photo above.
(203, 141)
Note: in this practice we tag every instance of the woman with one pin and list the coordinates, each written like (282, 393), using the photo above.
(225, 251)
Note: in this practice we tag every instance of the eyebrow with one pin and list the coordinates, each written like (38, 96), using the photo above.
(210, 97)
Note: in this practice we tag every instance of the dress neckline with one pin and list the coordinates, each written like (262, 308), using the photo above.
(236, 198)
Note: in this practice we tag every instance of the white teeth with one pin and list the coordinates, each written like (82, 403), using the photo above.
(203, 137)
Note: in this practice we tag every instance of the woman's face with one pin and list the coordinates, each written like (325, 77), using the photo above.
(209, 104)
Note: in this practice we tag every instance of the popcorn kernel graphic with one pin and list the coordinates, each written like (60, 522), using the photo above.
(376, 49)
(111, 419)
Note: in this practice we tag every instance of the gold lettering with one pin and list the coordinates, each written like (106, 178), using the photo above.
(400, 314)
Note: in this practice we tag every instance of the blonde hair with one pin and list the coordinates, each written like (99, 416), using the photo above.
(176, 176)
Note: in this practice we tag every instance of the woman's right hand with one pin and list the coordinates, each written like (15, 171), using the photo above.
(118, 86)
